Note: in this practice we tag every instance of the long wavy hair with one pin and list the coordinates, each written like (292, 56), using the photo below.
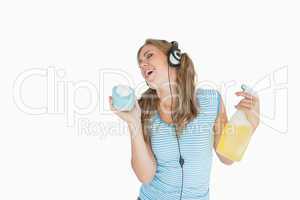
(185, 103)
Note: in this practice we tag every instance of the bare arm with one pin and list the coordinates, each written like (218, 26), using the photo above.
(142, 159)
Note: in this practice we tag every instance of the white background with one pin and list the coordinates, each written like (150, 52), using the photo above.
(41, 157)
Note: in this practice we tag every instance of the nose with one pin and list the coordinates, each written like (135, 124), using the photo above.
(143, 67)
(144, 64)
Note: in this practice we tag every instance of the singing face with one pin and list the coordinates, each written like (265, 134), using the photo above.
(154, 67)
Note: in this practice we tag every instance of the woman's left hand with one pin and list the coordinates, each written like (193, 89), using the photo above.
(250, 105)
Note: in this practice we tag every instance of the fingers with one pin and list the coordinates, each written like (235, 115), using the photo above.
(246, 103)
(112, 108)
(137, 104)
(253, 99)
(247, 95)
(244, 106)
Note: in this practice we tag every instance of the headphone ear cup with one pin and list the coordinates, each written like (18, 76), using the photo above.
(174, 57)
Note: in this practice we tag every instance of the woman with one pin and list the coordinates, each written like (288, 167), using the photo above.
(175, 126)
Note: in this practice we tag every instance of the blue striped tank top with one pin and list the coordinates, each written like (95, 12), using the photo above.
(196, 146)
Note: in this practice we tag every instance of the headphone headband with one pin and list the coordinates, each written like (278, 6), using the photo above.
(174, 44)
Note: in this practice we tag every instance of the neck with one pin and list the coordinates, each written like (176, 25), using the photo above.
(164, 95)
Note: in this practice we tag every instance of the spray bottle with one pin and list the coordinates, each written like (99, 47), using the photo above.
(236, 134)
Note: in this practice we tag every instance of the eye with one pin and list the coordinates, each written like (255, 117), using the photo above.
(149, 55)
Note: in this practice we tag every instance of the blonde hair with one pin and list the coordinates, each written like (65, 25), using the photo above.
(186, 104)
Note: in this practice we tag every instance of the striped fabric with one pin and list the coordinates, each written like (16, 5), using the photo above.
(196, 145)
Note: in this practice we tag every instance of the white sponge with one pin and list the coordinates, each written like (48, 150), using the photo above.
(123, 90)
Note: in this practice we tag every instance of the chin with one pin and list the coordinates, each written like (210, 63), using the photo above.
(152, 85)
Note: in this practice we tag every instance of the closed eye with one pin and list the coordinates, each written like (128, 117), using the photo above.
(149, 55)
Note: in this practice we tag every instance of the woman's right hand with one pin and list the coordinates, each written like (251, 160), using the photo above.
(131, 117)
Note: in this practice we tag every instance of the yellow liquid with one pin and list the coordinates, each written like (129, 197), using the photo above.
(234, 141)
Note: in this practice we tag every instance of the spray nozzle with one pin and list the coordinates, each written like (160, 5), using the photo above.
(248, 89)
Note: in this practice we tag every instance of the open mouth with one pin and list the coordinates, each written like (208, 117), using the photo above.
(148, 73)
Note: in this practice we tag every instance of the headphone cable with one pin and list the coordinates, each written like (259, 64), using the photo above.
(181, 160)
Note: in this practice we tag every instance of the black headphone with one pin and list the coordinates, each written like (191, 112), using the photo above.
(174, 55)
